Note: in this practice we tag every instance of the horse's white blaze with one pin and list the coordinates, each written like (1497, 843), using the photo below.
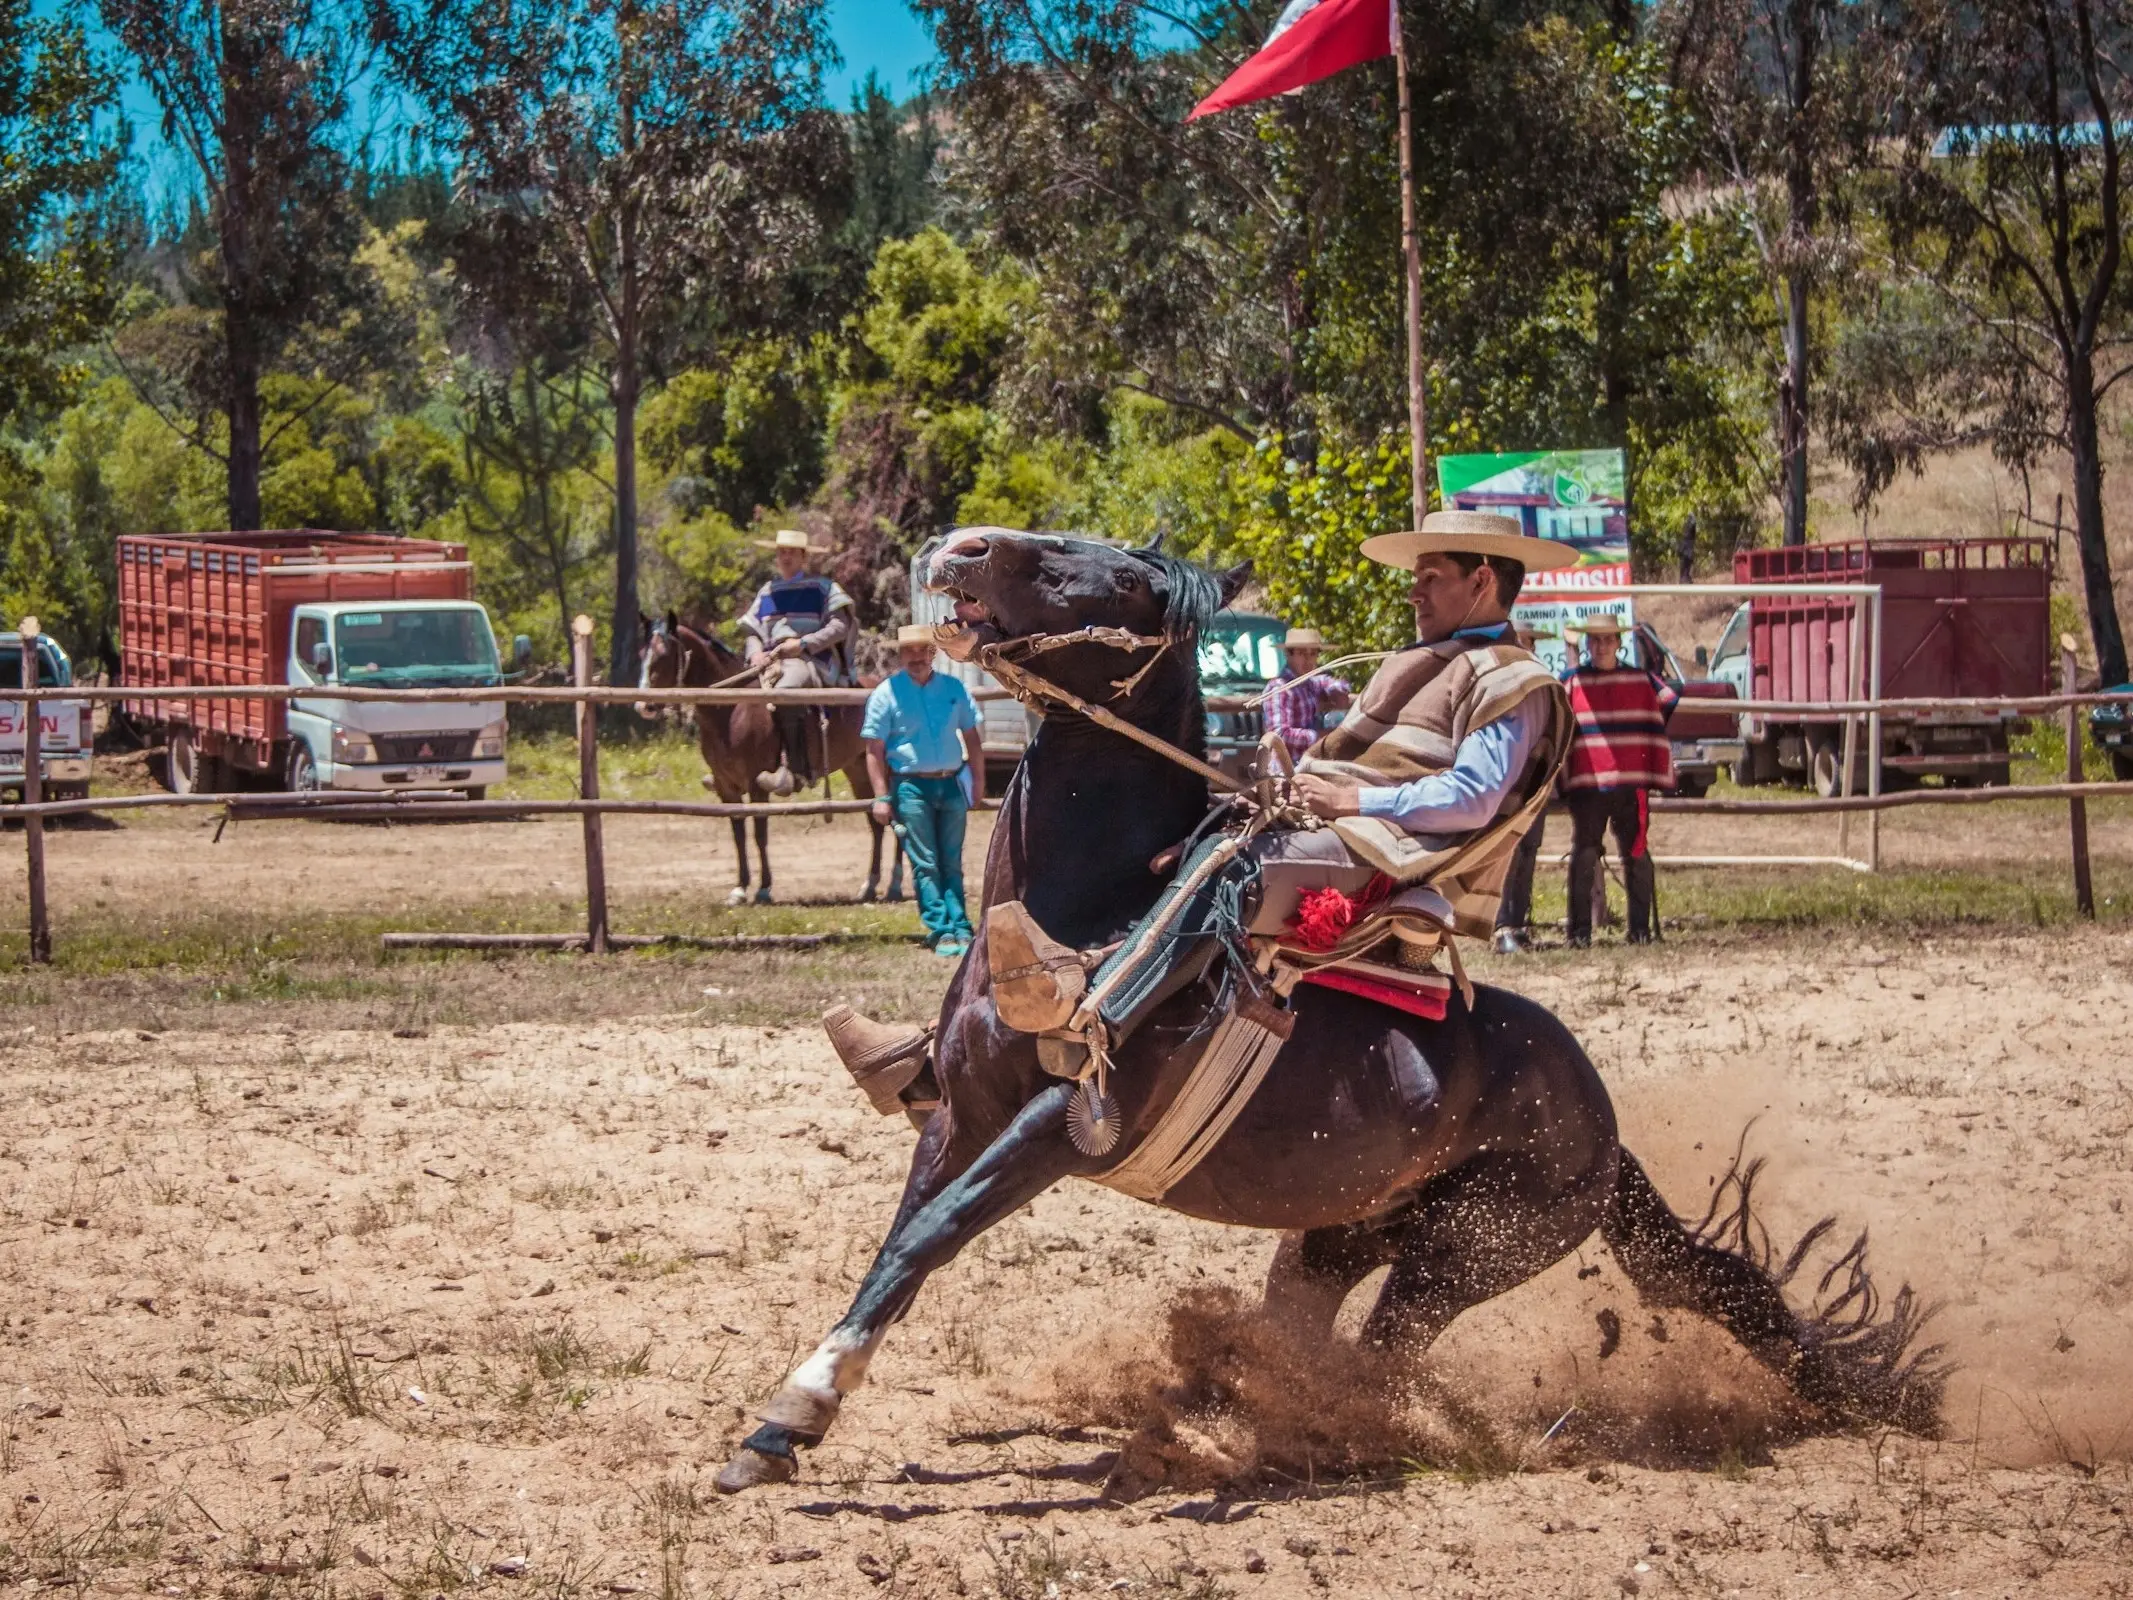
(839, 1364)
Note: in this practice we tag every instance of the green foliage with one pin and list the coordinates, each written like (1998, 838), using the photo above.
(58, 161)
(744, 436)
(1304, 530)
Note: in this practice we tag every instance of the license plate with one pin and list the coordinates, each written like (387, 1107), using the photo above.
(425, 774)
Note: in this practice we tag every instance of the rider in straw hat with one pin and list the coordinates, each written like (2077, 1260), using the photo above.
(1619, 756)
(800, 630)
(1438, 768)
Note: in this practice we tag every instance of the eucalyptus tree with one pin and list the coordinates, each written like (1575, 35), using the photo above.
(1790, 104)
(667, 164)
(255, 93)
(59, 156)
(2007, 215)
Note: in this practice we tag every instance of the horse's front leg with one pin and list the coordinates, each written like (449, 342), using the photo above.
(738, 894)
(762, 856)
(1032, 1155)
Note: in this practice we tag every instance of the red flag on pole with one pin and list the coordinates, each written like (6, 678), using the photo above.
(1314, 39)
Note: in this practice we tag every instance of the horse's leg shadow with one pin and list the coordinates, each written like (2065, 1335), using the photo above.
(935, 1221)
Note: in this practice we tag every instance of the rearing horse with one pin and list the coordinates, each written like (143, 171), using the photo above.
(1468, 1154)
(738, 742)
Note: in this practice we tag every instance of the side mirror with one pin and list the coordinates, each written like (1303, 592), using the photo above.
(1703, 658)
(322, 660)
(521, 652)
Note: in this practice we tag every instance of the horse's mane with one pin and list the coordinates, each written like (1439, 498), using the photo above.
(1193, 594)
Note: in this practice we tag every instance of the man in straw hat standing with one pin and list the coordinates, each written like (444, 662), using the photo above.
(1298, 701)
(1619, 756)
(921, 732)
(800, 631)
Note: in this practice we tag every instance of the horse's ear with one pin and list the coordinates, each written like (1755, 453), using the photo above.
(1232, 581)
(673, 621)
(644, 626)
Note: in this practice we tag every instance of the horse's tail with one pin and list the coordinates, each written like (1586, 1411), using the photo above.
(1843, 1355)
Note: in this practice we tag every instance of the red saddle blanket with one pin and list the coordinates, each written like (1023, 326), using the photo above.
(1420, 994)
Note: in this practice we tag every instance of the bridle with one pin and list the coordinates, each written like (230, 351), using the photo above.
(1004, 661)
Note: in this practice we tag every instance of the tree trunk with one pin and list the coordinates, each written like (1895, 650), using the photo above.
(241, 55)
(243, 404)
(2096, 588)
(622, 649)
(1792, 409)
(1803, 207)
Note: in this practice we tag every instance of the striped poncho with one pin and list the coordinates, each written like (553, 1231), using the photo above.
(1621, 740)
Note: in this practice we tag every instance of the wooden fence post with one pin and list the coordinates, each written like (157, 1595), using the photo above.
(581, 630)
(32, 794)
(2077, 809)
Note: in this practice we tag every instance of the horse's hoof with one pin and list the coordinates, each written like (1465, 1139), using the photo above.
(750, 1469)
(762, 896)
(896, 896)
(868, 895)
(736, 897)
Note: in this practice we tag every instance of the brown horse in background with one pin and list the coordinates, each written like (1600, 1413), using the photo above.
(740, 742)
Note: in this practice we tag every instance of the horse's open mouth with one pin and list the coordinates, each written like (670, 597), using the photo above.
(974, 624)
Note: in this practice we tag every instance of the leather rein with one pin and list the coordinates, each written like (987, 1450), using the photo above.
(1003, 661)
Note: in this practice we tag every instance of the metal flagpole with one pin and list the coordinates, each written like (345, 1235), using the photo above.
(1417, 411)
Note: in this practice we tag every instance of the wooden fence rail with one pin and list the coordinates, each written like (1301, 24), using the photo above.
(591, 807)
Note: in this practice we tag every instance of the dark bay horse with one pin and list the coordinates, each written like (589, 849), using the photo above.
(738, 742)
(1468, 1154)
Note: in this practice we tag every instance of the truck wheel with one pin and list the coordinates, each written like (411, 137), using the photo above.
(476, 791)
(1825, 764)
(303, 771)
(1692, 788)
(2122, 766)
(187, 769)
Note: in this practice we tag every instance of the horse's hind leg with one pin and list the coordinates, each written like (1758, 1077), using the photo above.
(1032, 1155)
(1313, 1273)
(762, 856)
(1479, 1230)
(1848, 1359)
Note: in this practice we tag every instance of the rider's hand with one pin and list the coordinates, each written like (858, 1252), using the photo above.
(788, 648)
(1329, 797)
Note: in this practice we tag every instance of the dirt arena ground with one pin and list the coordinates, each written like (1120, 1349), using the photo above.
(422, 1277)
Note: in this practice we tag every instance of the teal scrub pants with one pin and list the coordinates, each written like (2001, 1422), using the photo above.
(931, 813)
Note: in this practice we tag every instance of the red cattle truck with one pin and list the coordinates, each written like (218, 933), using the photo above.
(319, 611)
(1962, 619)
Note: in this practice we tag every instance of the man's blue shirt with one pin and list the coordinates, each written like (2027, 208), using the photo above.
(920, 725)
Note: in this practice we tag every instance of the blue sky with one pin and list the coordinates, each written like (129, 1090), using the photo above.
(881, 35)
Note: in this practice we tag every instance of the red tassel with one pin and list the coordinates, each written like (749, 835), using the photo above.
(1324, 916)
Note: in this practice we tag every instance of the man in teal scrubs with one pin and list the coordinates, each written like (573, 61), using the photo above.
(921, 730)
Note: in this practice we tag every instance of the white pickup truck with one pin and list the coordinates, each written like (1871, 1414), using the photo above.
(67, 730)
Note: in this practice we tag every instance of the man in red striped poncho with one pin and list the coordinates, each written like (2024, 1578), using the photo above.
(1619, 755)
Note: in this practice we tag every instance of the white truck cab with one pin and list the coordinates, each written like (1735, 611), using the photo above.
(66, 730)
(395, 644)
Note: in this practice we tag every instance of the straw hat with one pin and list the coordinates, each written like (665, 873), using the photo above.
(787, 539)
(915, 633)
(1470, 533)
(1601, 627)
(1304, 639)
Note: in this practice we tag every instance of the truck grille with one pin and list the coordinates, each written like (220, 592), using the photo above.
(414, 747)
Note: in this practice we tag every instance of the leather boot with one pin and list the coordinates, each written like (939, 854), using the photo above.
(1036, 980)
(793, 766)
(882, 1057)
